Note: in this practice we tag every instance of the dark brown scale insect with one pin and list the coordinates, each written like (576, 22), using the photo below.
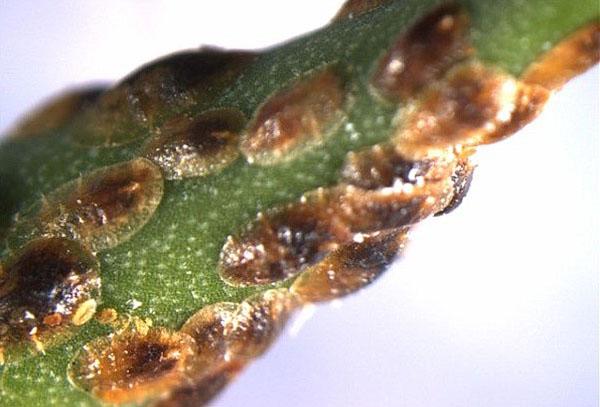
(174, 83)
(572, 56)
(134, 365)
(383, 165)
(46, 289)
(100, 209)
(278, 244)
(349, 268)
(423, 54)
(196, 146)
(356, 8)
(364, 211)
(298, 116)
(227, 331)
(257, 322)
(472, 105)
(56, 112)
(207, 327)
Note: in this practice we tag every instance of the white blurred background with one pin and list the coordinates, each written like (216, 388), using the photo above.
(495, 305)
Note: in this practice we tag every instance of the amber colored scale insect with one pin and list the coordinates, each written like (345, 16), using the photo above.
(328, 242)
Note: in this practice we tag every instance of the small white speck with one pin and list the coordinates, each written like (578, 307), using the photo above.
(396, 66)
(358, 238)
(134, 304)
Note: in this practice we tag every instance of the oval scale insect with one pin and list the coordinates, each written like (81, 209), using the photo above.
(314, 237)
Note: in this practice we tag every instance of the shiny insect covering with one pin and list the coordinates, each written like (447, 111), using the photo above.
(348, 205)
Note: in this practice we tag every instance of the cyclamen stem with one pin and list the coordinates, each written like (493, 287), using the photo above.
(310, 197)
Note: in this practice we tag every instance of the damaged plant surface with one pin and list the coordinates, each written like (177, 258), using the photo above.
(157, 235)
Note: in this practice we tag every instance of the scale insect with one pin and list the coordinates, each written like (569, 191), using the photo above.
(334, 238)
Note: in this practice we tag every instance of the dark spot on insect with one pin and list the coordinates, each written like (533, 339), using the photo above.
(281, 243)
(355, 8)
(423, 54)
(567, 59)
(257, 322)
(133, 366)
(382, 166)
(196, 146)
(149, 95)
(100, 209)
(149, 360)
(56, 112)
(462, 177)
(42, 287)
(349, 268)
(202, 389)
(473, 105)
(300, 115)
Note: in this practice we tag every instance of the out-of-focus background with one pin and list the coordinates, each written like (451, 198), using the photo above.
(495, 305)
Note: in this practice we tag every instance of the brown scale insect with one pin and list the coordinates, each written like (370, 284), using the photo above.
(46, 289)
(228, 331)
(196, 146)
(257, 322)
(127, 111)
(383, 165)
(349, 268)
(56, 112)
(423, 53)
(298, 116)
(473, 105)
(277, 245)
(100, 209)
(133, 366)
(207, 327)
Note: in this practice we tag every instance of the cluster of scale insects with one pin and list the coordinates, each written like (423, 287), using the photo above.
(329, 243)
